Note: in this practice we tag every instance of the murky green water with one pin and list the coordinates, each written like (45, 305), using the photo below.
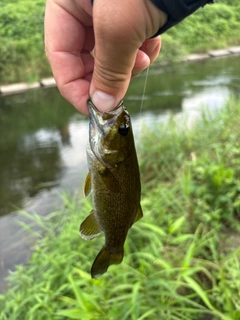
(43, 138)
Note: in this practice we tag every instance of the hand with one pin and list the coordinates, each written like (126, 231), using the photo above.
(117, 30)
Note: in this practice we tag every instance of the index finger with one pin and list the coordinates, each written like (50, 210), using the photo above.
(69, 40)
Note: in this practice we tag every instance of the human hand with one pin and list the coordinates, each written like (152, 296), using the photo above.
(117, 30)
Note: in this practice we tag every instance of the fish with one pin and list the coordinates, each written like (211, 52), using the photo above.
(114, 181)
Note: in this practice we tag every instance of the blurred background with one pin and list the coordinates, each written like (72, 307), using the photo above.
(43, 138)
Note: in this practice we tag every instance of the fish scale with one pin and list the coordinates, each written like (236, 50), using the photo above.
(114, 181)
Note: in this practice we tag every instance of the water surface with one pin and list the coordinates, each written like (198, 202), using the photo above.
(43, 139)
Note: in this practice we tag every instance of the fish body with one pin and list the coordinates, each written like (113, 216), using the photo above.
(114, 181)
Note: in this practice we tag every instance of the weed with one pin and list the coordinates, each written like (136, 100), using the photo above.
(181, 261)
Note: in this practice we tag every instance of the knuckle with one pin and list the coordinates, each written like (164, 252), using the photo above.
(110, 77)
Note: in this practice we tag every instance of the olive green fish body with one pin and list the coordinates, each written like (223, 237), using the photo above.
(114, 181)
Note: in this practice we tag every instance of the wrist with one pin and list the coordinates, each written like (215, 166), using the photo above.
(157, 18)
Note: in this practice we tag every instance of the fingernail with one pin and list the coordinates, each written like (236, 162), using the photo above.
(103, 101)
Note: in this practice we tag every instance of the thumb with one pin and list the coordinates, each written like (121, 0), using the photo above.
(120, 28)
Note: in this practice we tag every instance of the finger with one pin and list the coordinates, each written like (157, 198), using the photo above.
(146, 55)
(116, 47)
(68, 44)
(121, 33)
(152, 48)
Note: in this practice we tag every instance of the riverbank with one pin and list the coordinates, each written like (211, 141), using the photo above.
(23, 87)
(181, 259)
(50, 151)
(22, 49)
(50, 82)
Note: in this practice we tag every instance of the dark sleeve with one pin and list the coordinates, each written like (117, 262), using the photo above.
(177, 10)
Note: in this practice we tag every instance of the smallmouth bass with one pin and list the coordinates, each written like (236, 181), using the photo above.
(114, 181)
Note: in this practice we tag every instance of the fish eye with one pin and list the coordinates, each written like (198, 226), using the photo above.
(123, 129)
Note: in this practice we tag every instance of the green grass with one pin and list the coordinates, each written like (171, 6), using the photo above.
(214, 27)
(181, 260)
(202, 164)
(22, 56)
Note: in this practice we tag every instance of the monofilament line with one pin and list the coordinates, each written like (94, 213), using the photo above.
(143, 96)
(144, 90)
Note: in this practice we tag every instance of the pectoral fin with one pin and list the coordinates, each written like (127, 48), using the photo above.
(87, 185)
(89, 228)
(139, 214)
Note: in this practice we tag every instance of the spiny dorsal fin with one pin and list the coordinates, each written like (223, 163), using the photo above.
(139, 214)
(87, 185)
(89, 228)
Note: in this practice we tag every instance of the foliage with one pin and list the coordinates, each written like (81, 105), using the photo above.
(203, 164)
(22, 56)
(172, 50)
(214, 27)
(21, 32)
(180, 262)
(168, 278)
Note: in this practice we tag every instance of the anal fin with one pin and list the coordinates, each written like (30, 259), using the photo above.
(139, 214)
(89, 228)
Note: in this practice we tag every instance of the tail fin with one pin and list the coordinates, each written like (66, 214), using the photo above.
(103, 260)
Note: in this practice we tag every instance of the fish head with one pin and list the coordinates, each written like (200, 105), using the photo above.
(110, 134)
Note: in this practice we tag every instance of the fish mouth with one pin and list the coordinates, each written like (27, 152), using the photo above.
(95, 118)
(98, 123)
(107, 115)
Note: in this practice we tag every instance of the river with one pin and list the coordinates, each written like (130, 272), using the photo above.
(43, 140)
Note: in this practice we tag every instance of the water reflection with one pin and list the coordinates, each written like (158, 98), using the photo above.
(43, 138)
(35, 126)
(33, 129)
(33, 160)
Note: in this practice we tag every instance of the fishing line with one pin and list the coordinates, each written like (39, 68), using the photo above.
(144, 90)
(143, 96)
